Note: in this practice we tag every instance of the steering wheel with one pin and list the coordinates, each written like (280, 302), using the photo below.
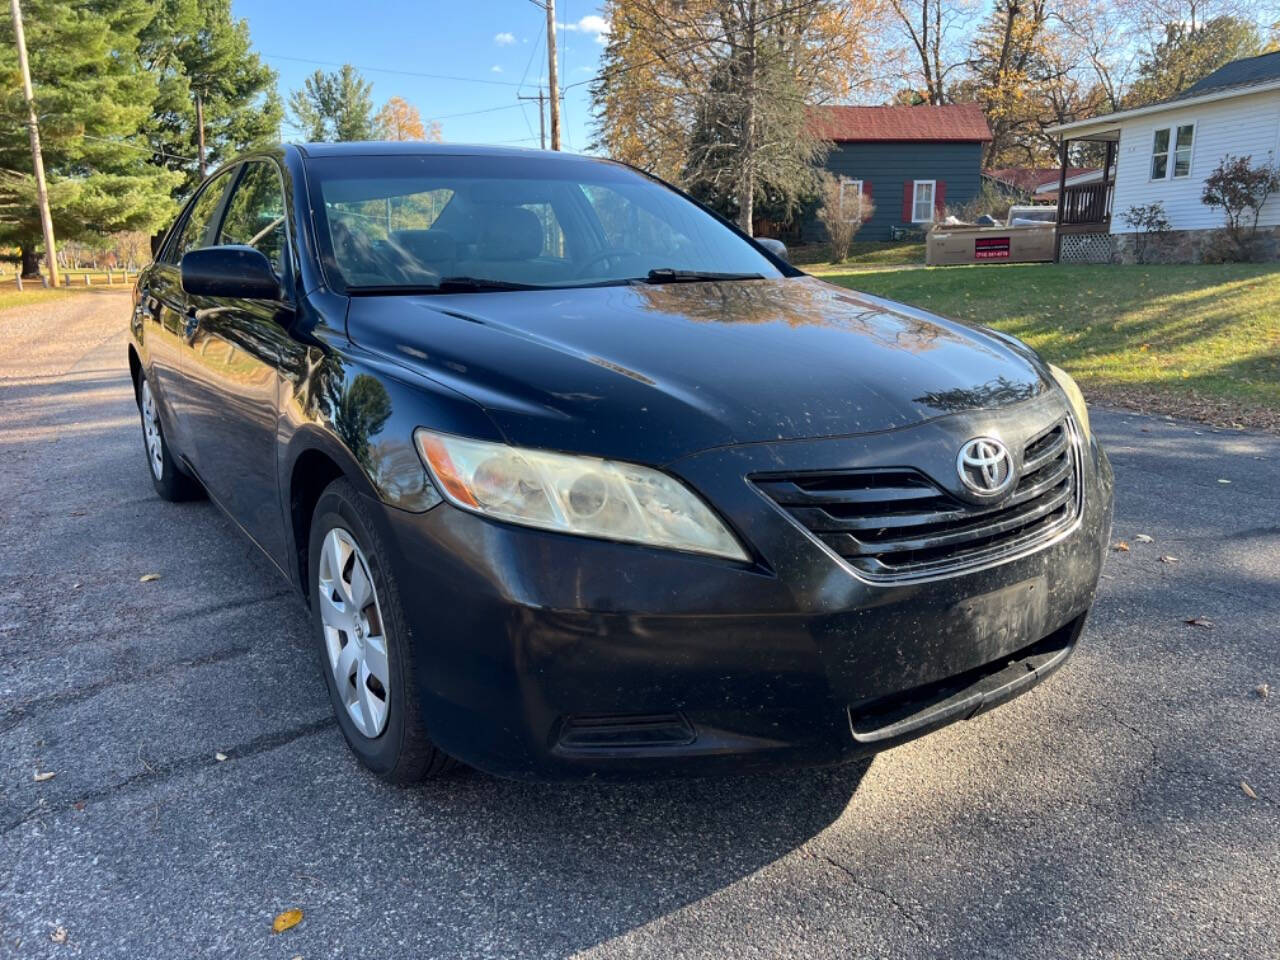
(602, 255)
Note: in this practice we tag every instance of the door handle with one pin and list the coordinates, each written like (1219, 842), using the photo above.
(189, 325)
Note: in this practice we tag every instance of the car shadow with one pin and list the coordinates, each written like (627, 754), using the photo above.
(561, 868)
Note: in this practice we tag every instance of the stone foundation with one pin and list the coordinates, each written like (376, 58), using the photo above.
(1195, 246)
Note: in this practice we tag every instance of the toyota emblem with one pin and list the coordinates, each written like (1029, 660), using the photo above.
(985, 467)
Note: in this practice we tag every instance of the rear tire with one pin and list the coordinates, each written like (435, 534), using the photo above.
(364, 641)
(171, 482)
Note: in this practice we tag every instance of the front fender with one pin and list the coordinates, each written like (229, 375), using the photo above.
(361, 410)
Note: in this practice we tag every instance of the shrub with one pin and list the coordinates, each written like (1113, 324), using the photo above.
(840, 229)
(1147, 220)
(990, 199)
(1240, 189)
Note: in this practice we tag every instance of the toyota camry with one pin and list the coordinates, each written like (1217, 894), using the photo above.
(576, 479)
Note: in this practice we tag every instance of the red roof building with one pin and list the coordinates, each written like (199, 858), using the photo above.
(900, 168)
(1026, 180)
(952, 123)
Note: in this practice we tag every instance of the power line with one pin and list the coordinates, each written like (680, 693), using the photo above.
(403, 73)
(472, 113)
(135, 146)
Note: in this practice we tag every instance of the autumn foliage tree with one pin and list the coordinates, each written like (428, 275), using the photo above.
(400, 120)
(1189, 52)
(713, 94)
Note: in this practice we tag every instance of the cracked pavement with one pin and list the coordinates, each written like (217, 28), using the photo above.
(1102, 814)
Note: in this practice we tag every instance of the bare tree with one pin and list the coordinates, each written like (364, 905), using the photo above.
(934, 34)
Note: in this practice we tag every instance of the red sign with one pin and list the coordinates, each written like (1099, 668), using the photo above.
(991, 248)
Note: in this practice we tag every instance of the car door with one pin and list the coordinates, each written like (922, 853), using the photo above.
(235, 357)
(163, 306)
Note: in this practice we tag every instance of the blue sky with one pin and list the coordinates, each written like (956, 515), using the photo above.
(495, 47)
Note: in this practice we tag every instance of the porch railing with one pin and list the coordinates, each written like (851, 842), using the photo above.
(1087, 204)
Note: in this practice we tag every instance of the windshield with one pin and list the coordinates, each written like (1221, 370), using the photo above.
(462, 223)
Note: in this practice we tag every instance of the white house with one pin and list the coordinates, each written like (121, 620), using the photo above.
(1163, 152)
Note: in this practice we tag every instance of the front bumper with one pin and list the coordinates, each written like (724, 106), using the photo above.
(546, 656)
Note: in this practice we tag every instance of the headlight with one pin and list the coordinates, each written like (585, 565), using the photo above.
(582, 495)
(1074, 395)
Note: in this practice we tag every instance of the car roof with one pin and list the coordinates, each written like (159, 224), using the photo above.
(420, 148)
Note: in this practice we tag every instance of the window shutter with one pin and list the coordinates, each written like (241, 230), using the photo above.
(866, 198)
(908, 198)
(939, 199)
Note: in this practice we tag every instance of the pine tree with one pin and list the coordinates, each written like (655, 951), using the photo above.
(334, 106)
(195, 48)
(93, 96)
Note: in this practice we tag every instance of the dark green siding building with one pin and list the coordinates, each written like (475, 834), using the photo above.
(910, 162)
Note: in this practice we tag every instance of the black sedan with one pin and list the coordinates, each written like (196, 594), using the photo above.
(578, 480)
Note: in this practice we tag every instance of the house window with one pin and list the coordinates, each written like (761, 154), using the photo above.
(850, 200)
(1175, 140)
(922, 205)
(1160, 155)
(1182, 150)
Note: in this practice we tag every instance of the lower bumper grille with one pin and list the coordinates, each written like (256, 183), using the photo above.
(897, 523)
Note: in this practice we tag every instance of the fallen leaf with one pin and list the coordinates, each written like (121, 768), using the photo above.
(148, 577)
(1263, 690)
(1248, 790)
(42, 777)
(1199, 622)
(1168, 559)
(219, 756)
(1220, 480)
(1120, 546)
(290, 918)
(59, 935)
(1143, 538)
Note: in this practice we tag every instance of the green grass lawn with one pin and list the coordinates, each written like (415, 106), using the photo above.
(1198, 341)
(864, 253)
(10, 297)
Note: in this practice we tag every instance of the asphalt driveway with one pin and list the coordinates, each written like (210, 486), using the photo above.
(1101, 815)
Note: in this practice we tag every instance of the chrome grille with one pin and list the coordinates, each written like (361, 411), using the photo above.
(897, 523)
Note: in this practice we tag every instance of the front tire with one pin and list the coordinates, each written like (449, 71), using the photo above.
(364, 641)
(169, 480)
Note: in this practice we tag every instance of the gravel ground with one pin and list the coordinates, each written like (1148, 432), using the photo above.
(1103, 814)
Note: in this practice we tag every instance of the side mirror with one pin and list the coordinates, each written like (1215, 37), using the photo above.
(229, 271)
(776, 247)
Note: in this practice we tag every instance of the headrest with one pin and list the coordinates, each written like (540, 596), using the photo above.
(510, 233)
(428, 246)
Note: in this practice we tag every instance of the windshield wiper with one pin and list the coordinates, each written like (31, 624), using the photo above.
(671, 275)
(446, 285)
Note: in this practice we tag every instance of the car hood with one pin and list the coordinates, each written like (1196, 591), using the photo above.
(656, 372)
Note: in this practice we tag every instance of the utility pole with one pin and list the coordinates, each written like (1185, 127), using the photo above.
(554, 93)
(542, 120)
(37, 160)
(199, 130)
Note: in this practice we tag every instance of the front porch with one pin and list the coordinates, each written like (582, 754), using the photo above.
(1083, 232)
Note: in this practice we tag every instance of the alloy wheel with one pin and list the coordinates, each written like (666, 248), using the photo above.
(353, 632)
(151, 428)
